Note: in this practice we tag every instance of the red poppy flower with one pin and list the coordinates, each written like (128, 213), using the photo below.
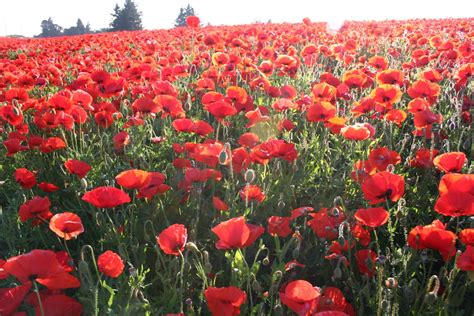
(221, 109)
(65, 260)
(358, 131)
(383, 185)
(433, 236)
(3, 273)
(183, 125)
(52, 144)
(366, 261)
(224, 301)
(133, 179)
(465, 261)
(121, 140)
(424, 158)
(192, 21)
(25, 178)
(11, 114)
(256, 117)
(77, 167)
(11, 298)
(173, 239)
(325, 223)
(293, 264)
(43, 267)
(59, 305)
(396, 116)
(110, 264)
(320, 112)
(362, 170)
(381, 157)
(66, 225)
(372, 217)
(332, 299)
(450, 162)
(424, 89)
(153, 186)
(47, 187)
(301, 211)
(324, 92)
(279, 226)
(236, 233)
(252, 192)
(219, 204)
(248, 140)
(456, 195)
(145, 106)
(106, 197)
(169, 105)
(202, 128)
(300, 296)
(36, 208)
(467, 236)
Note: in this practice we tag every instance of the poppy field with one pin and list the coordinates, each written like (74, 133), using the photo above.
(264, 169)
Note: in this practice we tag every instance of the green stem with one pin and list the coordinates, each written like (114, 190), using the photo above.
(38, 296)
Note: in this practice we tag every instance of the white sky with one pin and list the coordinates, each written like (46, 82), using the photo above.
(24, 16)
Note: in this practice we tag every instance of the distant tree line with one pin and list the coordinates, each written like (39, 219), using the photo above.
(126, 18)
(51, 29)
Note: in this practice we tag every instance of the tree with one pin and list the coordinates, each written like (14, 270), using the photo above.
(183, 14)
(50, 29)
(79, 29)
(126, 18)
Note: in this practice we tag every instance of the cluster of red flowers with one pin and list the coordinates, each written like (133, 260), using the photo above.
(87, 122)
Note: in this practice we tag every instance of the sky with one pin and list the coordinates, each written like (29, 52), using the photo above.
(23, 17)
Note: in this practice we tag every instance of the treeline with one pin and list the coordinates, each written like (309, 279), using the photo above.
(126, 18)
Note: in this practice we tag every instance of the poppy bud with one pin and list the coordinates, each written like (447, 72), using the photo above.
(381, 259)
(266, 261)
(334, 212)
(192, 247)
(391, 283)
(83, 267)
(337, 273)
(223, 156)
(249, 176)
(205, 253)
(207, 268)
(277, 275)
(278, 310)
(84, 184)
(281, 204)
(338, 201)
(132, 271)
(385, 305)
